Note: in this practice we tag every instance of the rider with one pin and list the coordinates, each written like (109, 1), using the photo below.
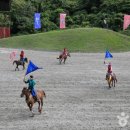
(31, 84)
(22, 56)
(64, 52)
(109, 69)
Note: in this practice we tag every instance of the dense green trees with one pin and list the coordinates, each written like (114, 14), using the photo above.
(80, 13)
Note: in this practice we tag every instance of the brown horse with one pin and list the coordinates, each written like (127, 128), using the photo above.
(111, 79)
(18, 62)
(63, 57)
(30, 100)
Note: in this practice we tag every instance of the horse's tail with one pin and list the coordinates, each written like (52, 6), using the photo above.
(14, 62)
(44, 94)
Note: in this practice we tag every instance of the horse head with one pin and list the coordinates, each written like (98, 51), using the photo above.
(68, 54)
(26, 59)
(25, 91)
(109, 79)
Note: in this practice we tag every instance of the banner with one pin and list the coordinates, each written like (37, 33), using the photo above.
(62, 20)
(13, 55)
(37, 21)
(126, 21)
(31, 67)
(108, 54)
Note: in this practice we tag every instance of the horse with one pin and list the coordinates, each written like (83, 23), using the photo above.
(111, 79)
(63, 57)
(18, 62)
(30, 100)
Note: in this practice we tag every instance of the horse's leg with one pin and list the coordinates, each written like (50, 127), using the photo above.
(109, 83)
(42, 102)
(64, 60)
(31, 106)
(114, 82)
(60, 60)
(17, 68)
(39, 106)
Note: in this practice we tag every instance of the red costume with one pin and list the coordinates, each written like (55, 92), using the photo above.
(65, 52)
(22, 55)
(109, 68)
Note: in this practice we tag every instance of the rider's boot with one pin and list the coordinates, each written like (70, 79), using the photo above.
(35, 98)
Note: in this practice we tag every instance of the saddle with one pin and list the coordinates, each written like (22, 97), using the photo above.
(34, 95)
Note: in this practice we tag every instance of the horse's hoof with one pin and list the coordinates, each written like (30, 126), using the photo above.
(40, 111)
(32, 115)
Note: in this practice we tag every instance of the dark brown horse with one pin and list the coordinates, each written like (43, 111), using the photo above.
(63, 57)
(111, 79)
(30, 100)
(18, 62)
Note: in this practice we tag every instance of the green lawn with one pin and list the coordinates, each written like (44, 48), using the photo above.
(81, 39)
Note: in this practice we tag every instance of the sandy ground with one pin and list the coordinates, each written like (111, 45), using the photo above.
(78, 97)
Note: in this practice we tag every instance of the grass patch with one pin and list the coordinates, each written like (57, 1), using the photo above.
(81, 39)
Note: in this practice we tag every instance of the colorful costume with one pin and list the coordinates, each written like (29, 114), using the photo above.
(31, 84)
(109, 70)
(22, 56)
(64, 52)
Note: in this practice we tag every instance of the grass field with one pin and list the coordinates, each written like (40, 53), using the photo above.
(81, 39)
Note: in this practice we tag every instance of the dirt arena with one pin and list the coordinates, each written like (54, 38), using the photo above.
(78, 97)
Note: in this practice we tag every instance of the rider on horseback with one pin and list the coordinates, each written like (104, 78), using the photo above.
(31, 84)
(64, 52)
(109, 70)
(22, 56)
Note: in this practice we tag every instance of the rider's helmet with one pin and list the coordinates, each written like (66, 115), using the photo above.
(109, 63)
(31, 76)
(22, 51)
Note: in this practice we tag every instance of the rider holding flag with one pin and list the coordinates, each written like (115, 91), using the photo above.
(109, 69)
(31, 83)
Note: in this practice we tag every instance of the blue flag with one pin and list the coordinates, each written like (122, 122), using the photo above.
(37, 21)
(31, 68)
(108, 54)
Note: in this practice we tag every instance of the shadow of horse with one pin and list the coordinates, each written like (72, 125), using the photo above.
(30, 100)
(63, 57)
(111, 80)
(22, 63)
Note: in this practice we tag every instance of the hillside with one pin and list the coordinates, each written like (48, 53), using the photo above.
(81, 39)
